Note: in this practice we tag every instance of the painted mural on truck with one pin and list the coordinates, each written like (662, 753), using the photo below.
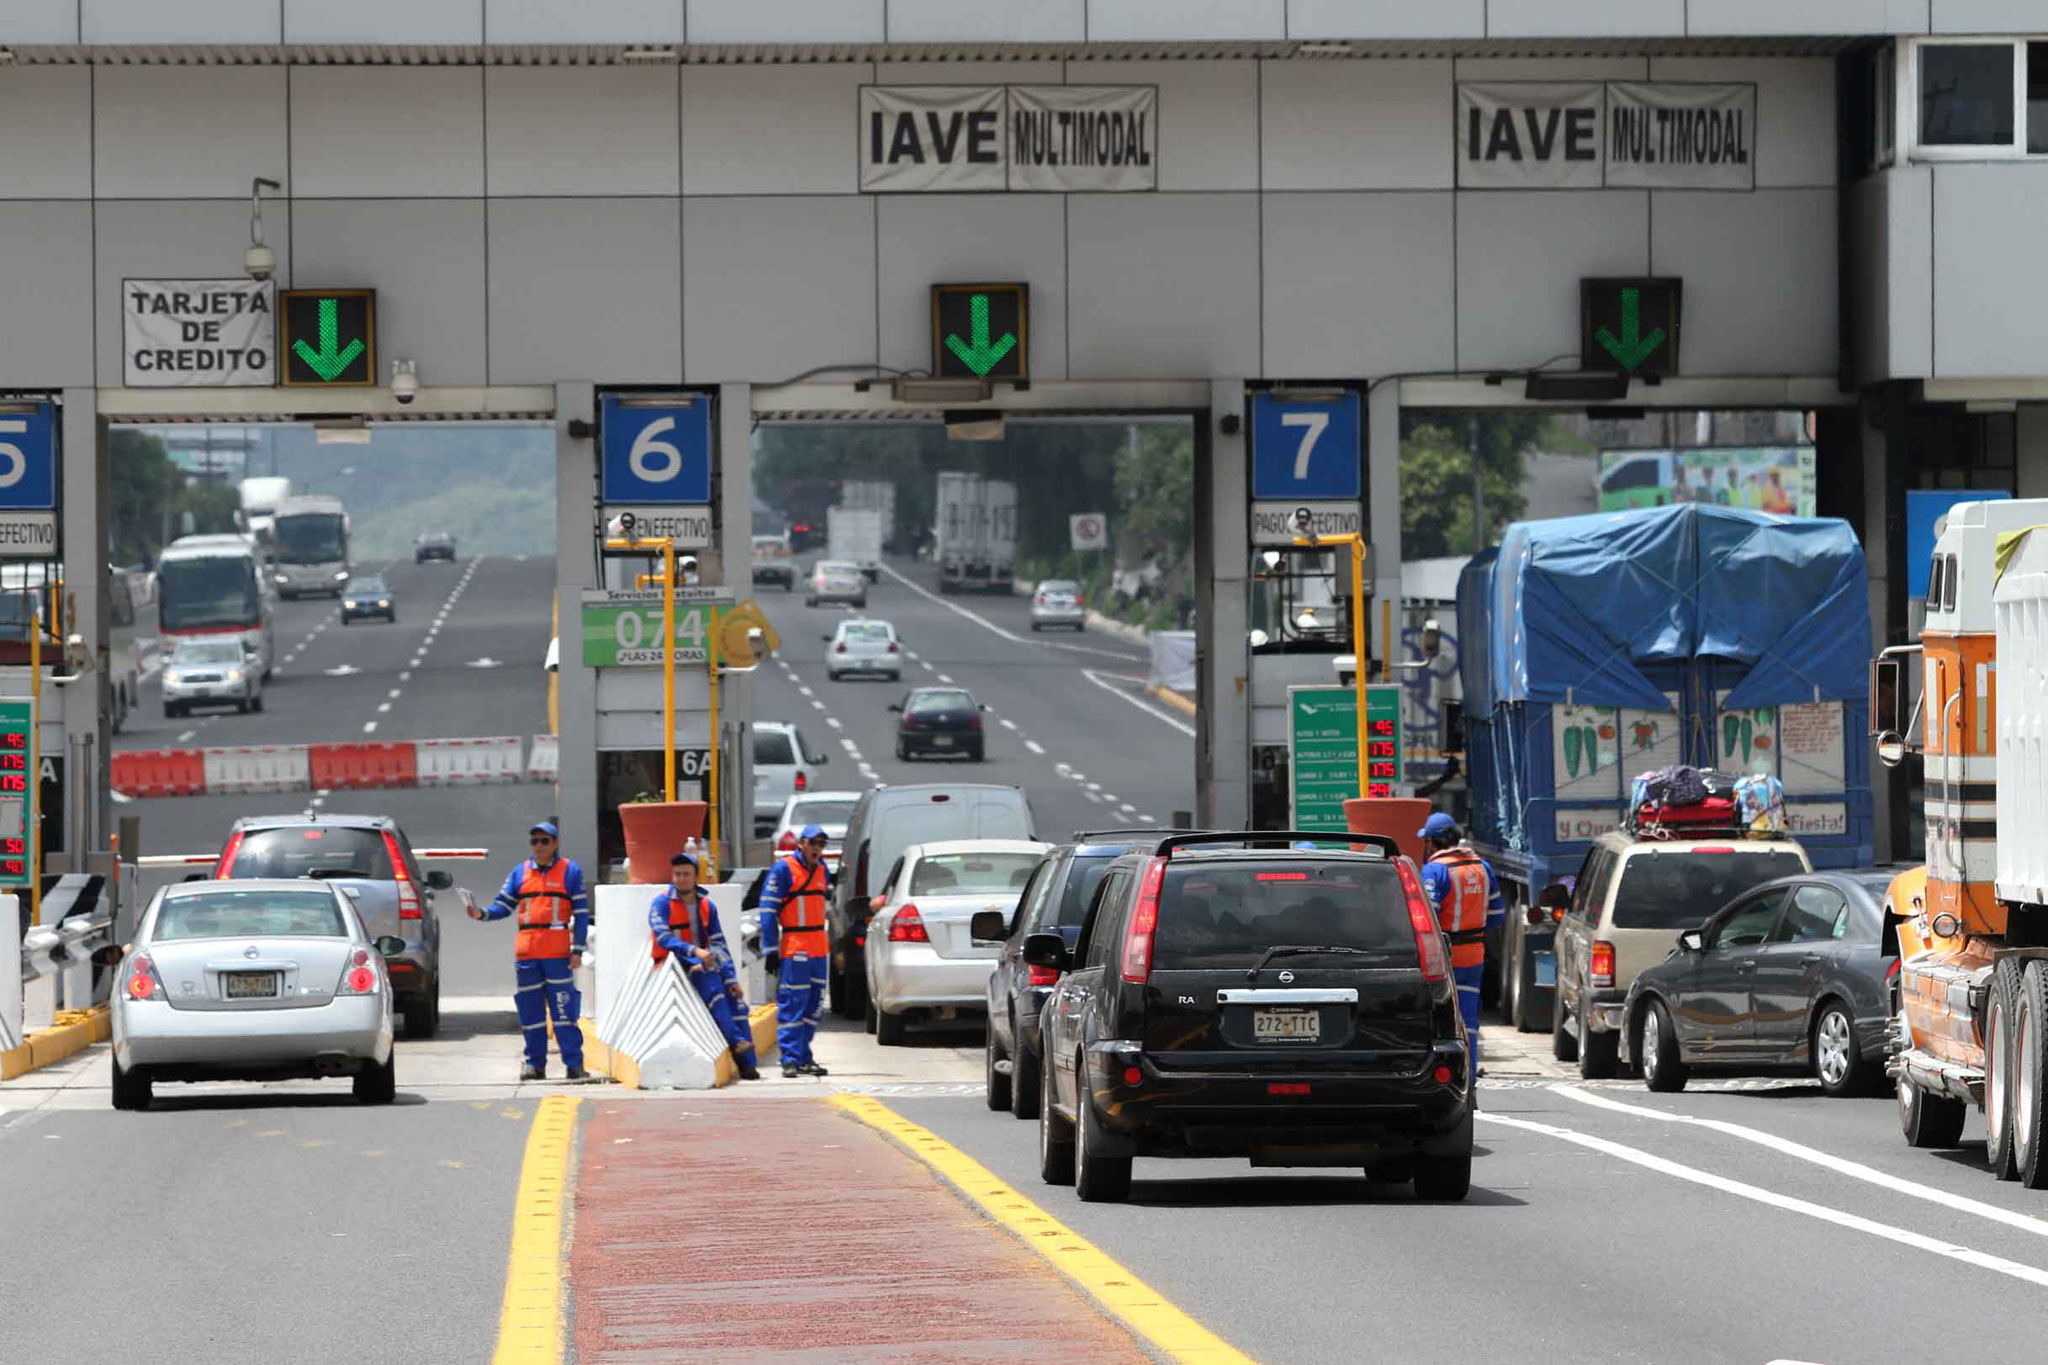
(1775, 479)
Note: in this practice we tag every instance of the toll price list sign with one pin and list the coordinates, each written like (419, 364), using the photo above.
(17, 794)
(1322, 744)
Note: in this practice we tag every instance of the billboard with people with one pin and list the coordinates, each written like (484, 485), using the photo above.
(1759, 478)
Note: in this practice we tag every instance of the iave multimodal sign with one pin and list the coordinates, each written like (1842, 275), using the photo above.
(957, 139)
(179, 334)
(1607, 134)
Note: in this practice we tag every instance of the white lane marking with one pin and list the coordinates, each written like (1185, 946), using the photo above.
(1063, 769)
(926, 666)
(1128, 809)
(317, 801)
(1791, 1204)
(1093, 797)
(1855, 1170)
(1095, 787)
(1006, 723)
(383, 707)
(1148, 819)
(405, 675)
(394, 693)
(1034, 746)
(833, 721)
(1083, 777)
(1148, 709)
(369, 727)
(803, 691)
(189, 733)
(993, 628)
(869, 773)
(851, 747)
(910, 655)
(816, 704)
(945, 677)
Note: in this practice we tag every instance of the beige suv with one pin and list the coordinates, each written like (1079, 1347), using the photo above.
(1632, 899)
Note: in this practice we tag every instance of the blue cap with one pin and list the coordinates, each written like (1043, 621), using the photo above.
(1307, 846)
(812, 832)
(1438, 825)
(686, 857)
(546, 827)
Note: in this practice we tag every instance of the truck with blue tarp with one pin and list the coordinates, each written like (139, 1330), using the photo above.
(1599, 647)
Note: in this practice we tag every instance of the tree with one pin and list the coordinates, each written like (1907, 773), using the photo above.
(143, 485)
(1436, 482)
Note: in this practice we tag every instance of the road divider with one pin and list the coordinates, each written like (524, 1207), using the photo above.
(160, 772)
(256, 768)
(651, 1031)
(544, 759)
(470, 762)
(361, 765)
(355, 765)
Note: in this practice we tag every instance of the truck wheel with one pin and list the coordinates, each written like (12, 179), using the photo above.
(2000, 1013)
(1928, 1119)
(1563, 1044)
(2030, 1085)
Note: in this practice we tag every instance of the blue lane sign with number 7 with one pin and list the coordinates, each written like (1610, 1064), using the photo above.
(1305, 448)
(655, 450)
(28, 455)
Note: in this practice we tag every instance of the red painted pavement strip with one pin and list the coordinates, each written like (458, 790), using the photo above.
(778, 1230)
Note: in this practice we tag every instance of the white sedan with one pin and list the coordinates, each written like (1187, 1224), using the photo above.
(253, 980)
(837, 580)
(1058, 602)
(861, 646)
(922, 956)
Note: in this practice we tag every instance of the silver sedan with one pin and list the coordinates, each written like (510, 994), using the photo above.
(252, 980)
(1058, 602)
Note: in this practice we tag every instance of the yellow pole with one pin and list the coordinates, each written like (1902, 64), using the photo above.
(668, 681)
(711, 673)
(1358, 656)
(31, 790)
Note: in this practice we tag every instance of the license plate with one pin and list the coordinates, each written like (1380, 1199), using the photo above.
(251, 985)
(1287, 1025)
(942, 741)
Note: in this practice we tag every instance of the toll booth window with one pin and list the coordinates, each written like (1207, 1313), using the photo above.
(1948, 585)
(1934, 584)
(2037, 98)
(1966, 94)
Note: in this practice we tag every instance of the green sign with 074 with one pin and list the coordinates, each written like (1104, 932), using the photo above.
(1322, 750)
(623, 629)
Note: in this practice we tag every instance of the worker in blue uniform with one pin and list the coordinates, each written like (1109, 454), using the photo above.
(794, 943)
(546, 893)
(1464, 894)
(682, 920)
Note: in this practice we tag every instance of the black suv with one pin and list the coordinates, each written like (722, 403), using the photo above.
(1053, 901)
(1288, 1005)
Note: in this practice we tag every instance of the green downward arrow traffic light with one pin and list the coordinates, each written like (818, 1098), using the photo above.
(1633, 346)
(328, 361)
(980, 354)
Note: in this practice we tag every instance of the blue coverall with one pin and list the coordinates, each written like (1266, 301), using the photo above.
(1436, 884)
(800, 991)
(546, 986)
(718, 984)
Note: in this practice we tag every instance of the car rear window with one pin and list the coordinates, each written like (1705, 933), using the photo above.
(249, 914)
(964, 874)
(822, 813)
(925, 703)
(772, 747)
(867, 630)
(299, 852)
(1679, 888)
(1228, 916)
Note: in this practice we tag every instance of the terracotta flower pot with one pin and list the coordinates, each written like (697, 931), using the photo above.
(656, 832)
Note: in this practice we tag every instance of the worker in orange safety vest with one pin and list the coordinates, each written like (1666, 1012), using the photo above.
(546, 892)
(1463, 893)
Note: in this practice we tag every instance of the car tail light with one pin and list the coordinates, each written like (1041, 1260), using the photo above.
(1603, 964)
(908, 927)
(359, 976)
(227, 855)
(1044, 976)
(1137, 964)
(1080, 600)
(408, 894)
(840, 649)
(787, 843)
(1442, 1075)
(143, 982)
(1288, 1088)
(1281, 876)
(1892, 971)
(974, 722)
(1042, 599)
(1429, 940)
(803, 782)
(1716, 848)
(892, 646)
(1133, 1076)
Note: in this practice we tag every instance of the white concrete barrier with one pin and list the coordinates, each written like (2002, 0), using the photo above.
(649, 1013)
(257, 768)
(469, 762)
(544, 759)
(11, 1034)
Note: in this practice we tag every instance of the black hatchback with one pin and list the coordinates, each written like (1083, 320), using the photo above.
(1288, 1005)
(939, 721)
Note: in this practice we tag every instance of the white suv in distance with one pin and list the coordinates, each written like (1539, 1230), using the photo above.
(783, 766)
(211, 672)
(1058, 602)
(861, 646)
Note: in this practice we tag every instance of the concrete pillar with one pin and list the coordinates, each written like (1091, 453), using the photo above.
(2030, 450)
(1383, 510)
(575, 558)
(735, 546)
(1222, 568)
(83, 704)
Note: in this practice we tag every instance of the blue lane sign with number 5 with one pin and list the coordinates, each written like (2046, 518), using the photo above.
(656, 452)
(1305, 448)
(28, 456)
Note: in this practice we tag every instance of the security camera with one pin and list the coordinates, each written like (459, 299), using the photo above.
(405, 381)
(620, 527)
(259, 262)
(686, 568)
(1303, 519)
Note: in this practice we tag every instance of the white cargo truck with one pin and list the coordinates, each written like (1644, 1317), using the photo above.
(260, 497)
(977, 533)
(999, 501)
(874, 495)
(854, 534)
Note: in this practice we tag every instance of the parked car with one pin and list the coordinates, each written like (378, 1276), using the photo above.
(887, 820)
(783, 766)
(217, 672)
(864, 647)
(1630, 897)
(369, 857)
(772, 562)
(1793, 975)
(1054, 901)
(1291, 1006)
(367, 596)
(433, 545)
(825, 808)
(252, 980)
(941, 721)
(923, 956)
(1058, 602)
(836, 580)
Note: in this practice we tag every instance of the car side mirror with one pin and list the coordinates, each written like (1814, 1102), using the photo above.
(876, 903)
(826, 638)
(390, 945)
(817, 760)
(1693, 941)
(985, 706)
(1046, 950)
(896, 706)
(438, 880)
(989, 926)
(1556, 896)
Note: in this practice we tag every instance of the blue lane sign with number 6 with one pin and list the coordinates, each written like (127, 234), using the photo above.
(656, 451)
(28, 455)
(1305, 448)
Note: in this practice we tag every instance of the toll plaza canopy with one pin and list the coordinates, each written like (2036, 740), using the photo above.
(1573, 609)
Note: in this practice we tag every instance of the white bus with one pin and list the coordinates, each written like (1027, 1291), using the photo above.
(309, 537)
(211, 586)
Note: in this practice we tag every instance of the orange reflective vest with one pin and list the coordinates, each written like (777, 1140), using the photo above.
(1462, 914)
(545, 915)
(687, 919)
(803, 910)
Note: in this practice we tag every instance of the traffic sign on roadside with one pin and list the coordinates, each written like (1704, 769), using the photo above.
(655, 450)
(1306, 449)
(1322, 750)
(327, 338)
(1088, 531)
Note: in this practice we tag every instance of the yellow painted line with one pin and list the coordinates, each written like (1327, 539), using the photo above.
(530, 1323)
(1132, 1302)
(1173, 699)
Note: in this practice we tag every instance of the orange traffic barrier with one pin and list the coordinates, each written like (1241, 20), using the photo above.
(1398, 817)
(363, 765)
(160, 772)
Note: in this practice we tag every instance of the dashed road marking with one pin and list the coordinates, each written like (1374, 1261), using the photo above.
(369, 727)
(186, 735)
(1034, 746)
(945, 677)
(1006, 722)
(833, 721)
(383, 708)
